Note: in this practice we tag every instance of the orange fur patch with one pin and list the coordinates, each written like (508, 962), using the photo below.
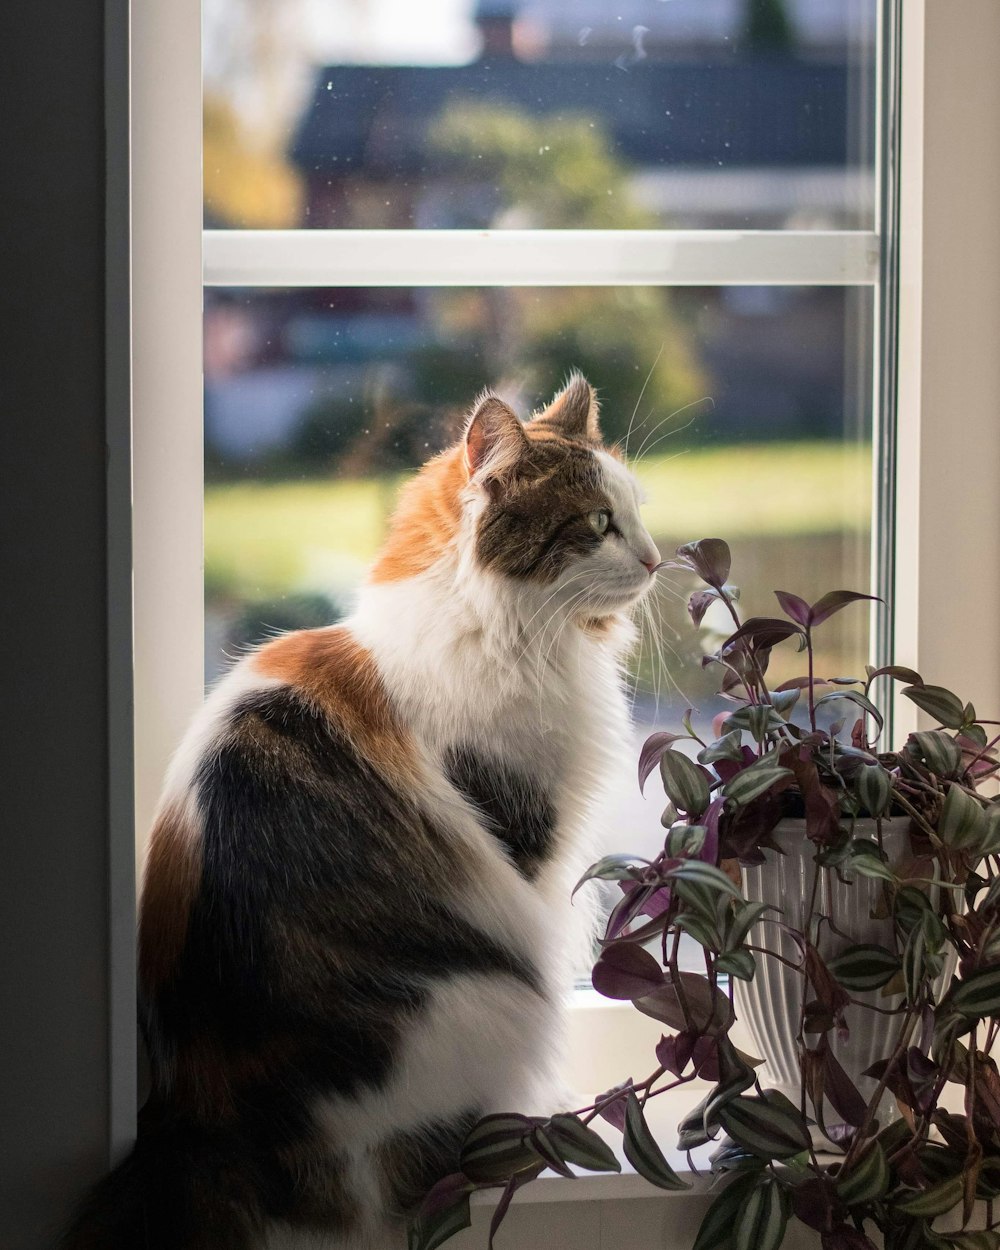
(426, 519)
(170, 884)
(207, 1077)
(339, 676)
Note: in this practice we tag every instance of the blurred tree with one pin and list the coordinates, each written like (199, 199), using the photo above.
(767, 27)
(247, 183)
(552, 172)
(257, 74)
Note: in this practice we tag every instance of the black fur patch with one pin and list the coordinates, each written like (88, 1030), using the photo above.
(516, 808)
(536, 520)
(414, 1160)
(320, 927)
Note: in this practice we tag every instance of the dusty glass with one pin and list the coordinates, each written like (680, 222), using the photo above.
(741, 114)
(744, 410)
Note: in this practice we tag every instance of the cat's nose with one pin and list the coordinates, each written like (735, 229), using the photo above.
(649, 556)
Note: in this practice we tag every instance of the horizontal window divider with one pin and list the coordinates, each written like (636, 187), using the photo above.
(474, 258)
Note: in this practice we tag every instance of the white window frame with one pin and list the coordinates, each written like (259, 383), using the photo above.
(943, 503)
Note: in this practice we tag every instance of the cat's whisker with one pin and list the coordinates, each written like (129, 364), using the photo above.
(664, 672)
(561, 623)
(559, 588)
(652, 370)
(562, 586)
(666, 669)
(644, 445)
(633, 676)
(669, 588)
(537, 636)
(566, 621)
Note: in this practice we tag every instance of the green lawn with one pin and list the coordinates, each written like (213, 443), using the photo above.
(269, 538)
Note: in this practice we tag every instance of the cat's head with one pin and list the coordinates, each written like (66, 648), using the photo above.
(542, 504)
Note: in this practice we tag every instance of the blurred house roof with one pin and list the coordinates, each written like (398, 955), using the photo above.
(819, 25)
(759, 111)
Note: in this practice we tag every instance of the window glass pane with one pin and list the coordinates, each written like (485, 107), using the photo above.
(540, 113)
(746, 411)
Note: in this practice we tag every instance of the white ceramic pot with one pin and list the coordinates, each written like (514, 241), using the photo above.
(771, 1003)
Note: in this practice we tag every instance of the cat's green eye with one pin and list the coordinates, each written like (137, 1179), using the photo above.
(599, 521)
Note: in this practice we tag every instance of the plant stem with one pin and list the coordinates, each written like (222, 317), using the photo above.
(800, 1037)
(678, 984)
(812, 691)
(761, 950)
(901, 1046)
(912, 812)
(988, 747)
(597, 1106)
(763, 694)
(882, 1011)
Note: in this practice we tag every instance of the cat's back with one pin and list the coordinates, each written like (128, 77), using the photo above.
(299, 835)
(288, 724)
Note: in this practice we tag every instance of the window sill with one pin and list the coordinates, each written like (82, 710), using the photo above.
(662, 1115)
(608, 1042)
(604, 1211)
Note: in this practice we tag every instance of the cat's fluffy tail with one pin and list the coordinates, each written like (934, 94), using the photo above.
(183, 1187)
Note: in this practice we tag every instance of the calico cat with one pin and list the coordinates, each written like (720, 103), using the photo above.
(352, 929)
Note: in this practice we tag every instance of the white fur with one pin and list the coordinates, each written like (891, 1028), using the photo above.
(471, 658)
(180, 782)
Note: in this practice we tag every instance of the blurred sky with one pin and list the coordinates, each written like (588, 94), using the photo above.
(260, 55)
(375, 31)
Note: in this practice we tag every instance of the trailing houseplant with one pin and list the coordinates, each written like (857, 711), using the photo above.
(797, 773)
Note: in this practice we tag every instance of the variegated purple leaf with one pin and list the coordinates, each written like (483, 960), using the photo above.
(627, 909)
(655, 902)
(500, 1211)
(842, 1092)
(443, 1213)
(624, 970)
(813, 1201)
(698, 1005)
(761, 632)
(802, 683)
(614, 868)
(710, 558)
(699, 603)
(897, 672)
(706, 1059)
(942, 704)
(710, 847)
(675, 1052)
(824, 608)
(793, 606)
(447, 1190)
(923, 1074)
(652, 749)
(614, 1111)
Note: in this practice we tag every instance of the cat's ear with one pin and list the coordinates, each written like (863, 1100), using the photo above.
(494, 438)
(574, 412)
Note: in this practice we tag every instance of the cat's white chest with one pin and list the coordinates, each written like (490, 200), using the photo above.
(546, 702)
